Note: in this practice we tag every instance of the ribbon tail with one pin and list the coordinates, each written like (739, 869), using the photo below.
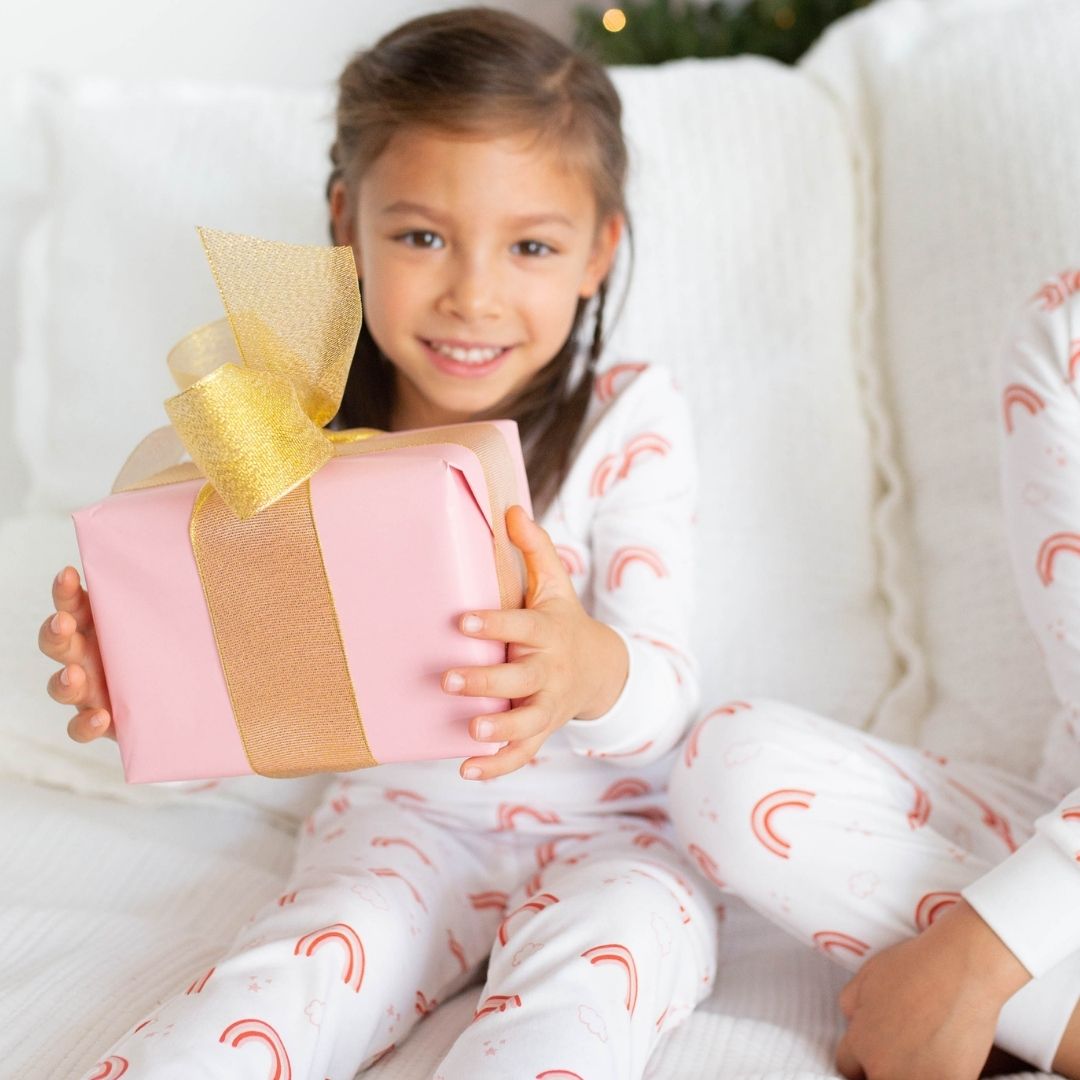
(158, 451)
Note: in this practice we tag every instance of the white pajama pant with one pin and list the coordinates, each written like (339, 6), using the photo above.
(853, 844)
(601, 940)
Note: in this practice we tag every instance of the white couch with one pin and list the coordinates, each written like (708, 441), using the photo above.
(829, 256)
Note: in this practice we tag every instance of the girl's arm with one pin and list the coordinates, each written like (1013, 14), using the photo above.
(644, 586)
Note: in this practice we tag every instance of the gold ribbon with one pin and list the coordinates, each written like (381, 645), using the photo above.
(257, 390)
(259, 387)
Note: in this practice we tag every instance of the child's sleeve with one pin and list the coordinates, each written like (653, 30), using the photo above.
(643, 573)
(1032, 899)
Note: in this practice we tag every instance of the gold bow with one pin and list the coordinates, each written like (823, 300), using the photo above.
(259, 386)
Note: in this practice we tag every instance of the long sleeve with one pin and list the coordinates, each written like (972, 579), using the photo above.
(1032, 899)
(642, 481)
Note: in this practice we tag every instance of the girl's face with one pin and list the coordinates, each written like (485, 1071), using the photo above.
(473, 254)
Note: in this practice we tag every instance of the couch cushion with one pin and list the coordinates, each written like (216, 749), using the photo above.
(963, 106)
(749, 242)
(22, 184)
(117, 275)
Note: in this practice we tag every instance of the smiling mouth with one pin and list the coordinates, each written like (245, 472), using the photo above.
(472, 354)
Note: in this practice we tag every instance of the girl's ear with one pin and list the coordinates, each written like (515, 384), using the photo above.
(343, 220)
(608, 235)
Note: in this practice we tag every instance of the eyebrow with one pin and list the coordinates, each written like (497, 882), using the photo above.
(402, 206)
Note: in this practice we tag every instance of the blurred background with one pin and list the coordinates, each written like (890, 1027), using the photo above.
(200, 47)
(289, 44)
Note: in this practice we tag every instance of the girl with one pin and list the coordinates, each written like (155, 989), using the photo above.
(855, 845)
(478, 176)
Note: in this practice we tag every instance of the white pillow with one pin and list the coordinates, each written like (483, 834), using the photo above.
(964, 106)
(22, 186)
(749, 247)
(117, 274)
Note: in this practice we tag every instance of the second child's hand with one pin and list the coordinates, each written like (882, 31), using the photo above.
(563, 664)
(926, 1009)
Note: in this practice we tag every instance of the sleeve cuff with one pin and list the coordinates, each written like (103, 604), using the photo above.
(1031, 901)
(630, 724)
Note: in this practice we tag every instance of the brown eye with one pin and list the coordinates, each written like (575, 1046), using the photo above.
(422, 238)
(536, 248)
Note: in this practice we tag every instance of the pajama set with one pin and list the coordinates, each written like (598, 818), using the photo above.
(852, 843)
(599, 937)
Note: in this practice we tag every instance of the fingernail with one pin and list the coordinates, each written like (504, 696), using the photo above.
(65, 679)
(54, 623)
(97, 721)
(471, 773)
(60, 576)
(454, 682)
(471, 623)
(484, 728)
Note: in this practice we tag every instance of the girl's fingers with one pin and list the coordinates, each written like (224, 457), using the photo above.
(546, 576)
(69, 685)
(59, 640)
(517, 680)
(510, 757)
(847, 1063)
(90, 724)
(69, 595)
(81, 685)
(515, 725)
(520, 626)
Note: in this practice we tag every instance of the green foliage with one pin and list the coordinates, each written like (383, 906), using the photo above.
(659, 30)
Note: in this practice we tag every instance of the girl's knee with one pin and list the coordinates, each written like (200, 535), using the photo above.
(736, 758)
(750, 734)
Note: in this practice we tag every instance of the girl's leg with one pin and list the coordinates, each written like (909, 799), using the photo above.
(848, 841)
(851, 843)
(373, 929)
(611, 947)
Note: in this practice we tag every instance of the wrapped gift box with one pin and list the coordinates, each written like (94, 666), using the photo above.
(407, 542)
(287, 601)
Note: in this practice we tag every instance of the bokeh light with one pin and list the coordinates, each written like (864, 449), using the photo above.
(614, 19)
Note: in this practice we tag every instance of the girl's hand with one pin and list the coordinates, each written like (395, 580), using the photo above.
(68, 637)
(927, 1008)
(563, 664)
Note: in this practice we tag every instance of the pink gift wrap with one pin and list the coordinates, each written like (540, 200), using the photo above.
(407, 547)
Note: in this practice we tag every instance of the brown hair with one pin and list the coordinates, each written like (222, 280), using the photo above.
(479, 70)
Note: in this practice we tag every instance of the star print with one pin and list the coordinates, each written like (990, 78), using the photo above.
(783, 901)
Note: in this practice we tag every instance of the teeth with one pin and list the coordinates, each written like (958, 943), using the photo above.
(466, 356)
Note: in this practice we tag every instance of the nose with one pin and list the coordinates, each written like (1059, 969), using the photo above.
(472, 291)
